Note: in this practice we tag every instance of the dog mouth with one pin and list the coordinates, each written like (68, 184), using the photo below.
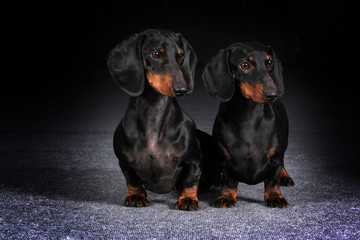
(256, 93)
(272, 99)
(179, 92)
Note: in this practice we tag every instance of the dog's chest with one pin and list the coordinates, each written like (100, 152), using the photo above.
(156, 151)
(159, 148)
(158, 163)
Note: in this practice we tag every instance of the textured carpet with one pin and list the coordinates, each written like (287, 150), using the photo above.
(59, 177)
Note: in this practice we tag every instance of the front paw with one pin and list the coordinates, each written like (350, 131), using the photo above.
(278, 201)
(223, 202)
(187, 204)
(227, 196)
(136, 201)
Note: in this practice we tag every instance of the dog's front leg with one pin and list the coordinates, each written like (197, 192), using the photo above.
(188, 199)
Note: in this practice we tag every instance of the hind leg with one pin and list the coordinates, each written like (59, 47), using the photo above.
(284, 179)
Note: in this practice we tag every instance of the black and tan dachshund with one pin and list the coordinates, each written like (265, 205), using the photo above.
(251, 127)
(156, 142)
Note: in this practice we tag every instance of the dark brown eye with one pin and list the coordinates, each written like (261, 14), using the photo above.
(180, 57)
(245, 65)
(155, 54)
(270, 64)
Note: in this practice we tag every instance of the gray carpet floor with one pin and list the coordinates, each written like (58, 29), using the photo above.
(59, 177)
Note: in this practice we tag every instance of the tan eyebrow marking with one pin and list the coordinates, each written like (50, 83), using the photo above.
(179, 52)
(251, 58)
(267, 57)
(162, 50)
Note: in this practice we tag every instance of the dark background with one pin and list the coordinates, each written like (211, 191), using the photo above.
(47, 44)
(54, 52)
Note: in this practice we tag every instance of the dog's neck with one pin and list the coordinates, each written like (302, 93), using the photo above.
(250, 107)
(153, 109)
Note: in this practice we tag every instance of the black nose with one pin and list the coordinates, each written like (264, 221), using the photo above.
(271, 96)
(180, 91)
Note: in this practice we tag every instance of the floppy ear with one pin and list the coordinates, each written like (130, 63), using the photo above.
(217, 77)
(189, 64)
(126, 67)
(276, 73)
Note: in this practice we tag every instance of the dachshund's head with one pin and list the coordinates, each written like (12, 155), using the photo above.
(163, 59)
(251, 67)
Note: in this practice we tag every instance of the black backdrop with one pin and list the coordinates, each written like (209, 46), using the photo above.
(45, 42)
(54, 33)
